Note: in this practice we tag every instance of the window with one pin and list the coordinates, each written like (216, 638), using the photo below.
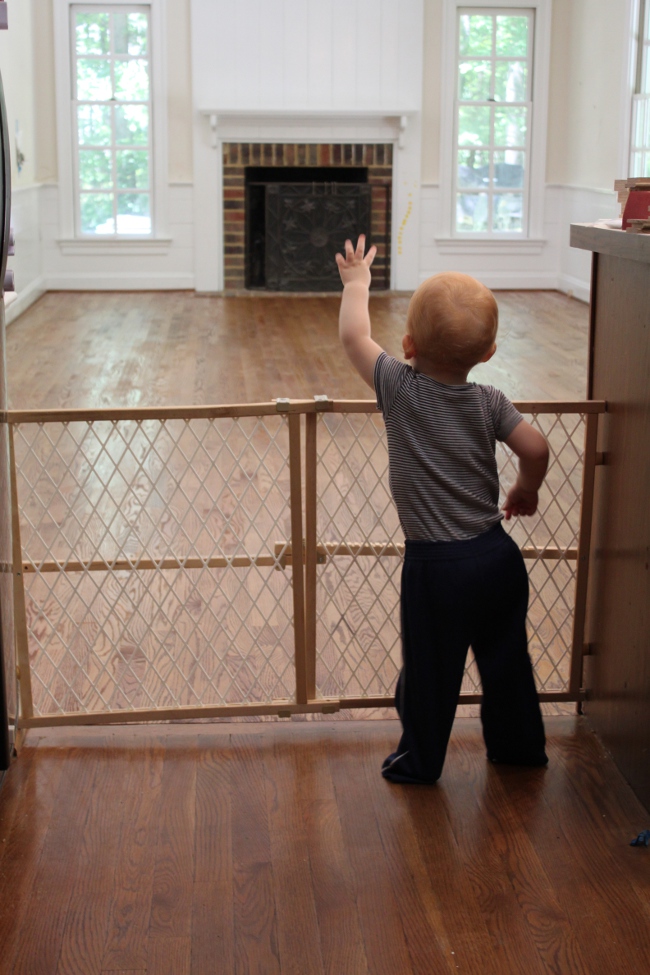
(492, 120)
(112, 120)
(495, 75)
(640, 129)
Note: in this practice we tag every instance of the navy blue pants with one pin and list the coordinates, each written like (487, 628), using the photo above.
(456, 595)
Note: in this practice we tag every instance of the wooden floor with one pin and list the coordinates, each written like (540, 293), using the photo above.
(147, 349)
(278, 848)
(193, 850)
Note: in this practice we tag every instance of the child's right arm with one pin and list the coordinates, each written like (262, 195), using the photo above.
(532, 450)
(354, 318)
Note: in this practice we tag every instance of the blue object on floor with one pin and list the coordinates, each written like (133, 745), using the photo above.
(643, 839)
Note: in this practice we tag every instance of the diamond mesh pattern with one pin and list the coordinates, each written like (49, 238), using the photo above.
(105, 491)
(358, 642)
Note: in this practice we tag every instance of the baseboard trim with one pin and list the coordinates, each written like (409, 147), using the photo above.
(575, 287)
(120, 282)
(24, 299)
(511, 280)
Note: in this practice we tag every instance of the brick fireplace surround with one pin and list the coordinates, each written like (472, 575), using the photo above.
(377, 157)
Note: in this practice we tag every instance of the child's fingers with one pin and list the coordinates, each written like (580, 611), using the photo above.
(370, 256)
(361, 246)
(349, 250)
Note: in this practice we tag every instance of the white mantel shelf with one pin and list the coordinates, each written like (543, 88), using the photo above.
(308, 124)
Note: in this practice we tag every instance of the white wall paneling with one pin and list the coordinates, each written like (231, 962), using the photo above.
(26, 262)
(548, 262)
(80, 265)
(306, 71)
(307, 54)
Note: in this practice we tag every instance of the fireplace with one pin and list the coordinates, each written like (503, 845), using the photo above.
(289, 207)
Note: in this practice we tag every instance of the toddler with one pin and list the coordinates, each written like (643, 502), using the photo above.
(464, 582)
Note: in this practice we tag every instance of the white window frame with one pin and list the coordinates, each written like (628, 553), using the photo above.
(502, 242)
(640, 99)
(66, 133)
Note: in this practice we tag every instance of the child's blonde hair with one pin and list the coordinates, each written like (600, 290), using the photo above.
(453, 320)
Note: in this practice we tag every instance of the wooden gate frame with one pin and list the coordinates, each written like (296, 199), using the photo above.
(304, 539)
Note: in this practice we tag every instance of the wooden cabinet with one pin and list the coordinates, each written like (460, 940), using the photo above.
(617, 672)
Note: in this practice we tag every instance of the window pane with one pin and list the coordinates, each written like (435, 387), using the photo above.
(132, 81)
(472, 212)
(92, 33)
(510, 126)
(95, 169)
(474, 80)
(639, 110)
(510, 81)
(133, 213)
(97, 213)
(507, 211)
(94, 125)
(473, 167)
(131, 125)
(130, 31)
(93, 80)
(509, 168)
(475, 34)
(512, 36)
(132, 169)
(474, 125)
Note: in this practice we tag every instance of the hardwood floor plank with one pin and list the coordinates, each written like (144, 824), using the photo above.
(126, 942)
(169, 956)
(33, 790)
(537, 809)
(85, 933)
(341, 939)
(484, 850)
(212, 848)
(297, 924)
(171, 905)
(212, 905)
(42, 933)
(213, 942)
(175, 347)
(381, 924)
(428, 814)
(255, 921)
(549, 924)
(430, 943)
(616, 873)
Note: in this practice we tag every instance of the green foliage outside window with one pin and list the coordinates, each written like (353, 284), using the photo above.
(113, 120)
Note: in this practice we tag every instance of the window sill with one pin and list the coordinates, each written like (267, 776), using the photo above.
(509, 245)
(106, 246)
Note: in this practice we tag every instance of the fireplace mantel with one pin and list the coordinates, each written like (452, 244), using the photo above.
(216, 127)
(313, 125)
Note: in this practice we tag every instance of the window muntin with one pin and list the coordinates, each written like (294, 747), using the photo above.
(492, 121)
(112, 113)
(640, 129)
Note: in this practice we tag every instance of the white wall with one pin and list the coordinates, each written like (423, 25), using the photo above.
(306, 71)
(317, 55)
(17, 66)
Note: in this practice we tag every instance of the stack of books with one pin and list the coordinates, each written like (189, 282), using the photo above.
(634, 197)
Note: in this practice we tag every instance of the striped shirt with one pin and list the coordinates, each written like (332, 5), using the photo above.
(441, 451)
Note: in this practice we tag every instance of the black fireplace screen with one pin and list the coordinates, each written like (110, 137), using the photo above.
(305, 224)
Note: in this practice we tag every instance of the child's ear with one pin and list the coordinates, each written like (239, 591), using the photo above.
(488, 355)
(408, 347)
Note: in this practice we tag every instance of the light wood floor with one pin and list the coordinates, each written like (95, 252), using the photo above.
(147, 349)
(190, 851)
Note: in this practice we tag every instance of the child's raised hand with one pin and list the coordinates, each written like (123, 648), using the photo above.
(354, 266)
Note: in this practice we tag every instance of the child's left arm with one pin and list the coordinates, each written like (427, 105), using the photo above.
(354, 318)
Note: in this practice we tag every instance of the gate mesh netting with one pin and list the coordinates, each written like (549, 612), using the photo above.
(357, 637)
(181, 490)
